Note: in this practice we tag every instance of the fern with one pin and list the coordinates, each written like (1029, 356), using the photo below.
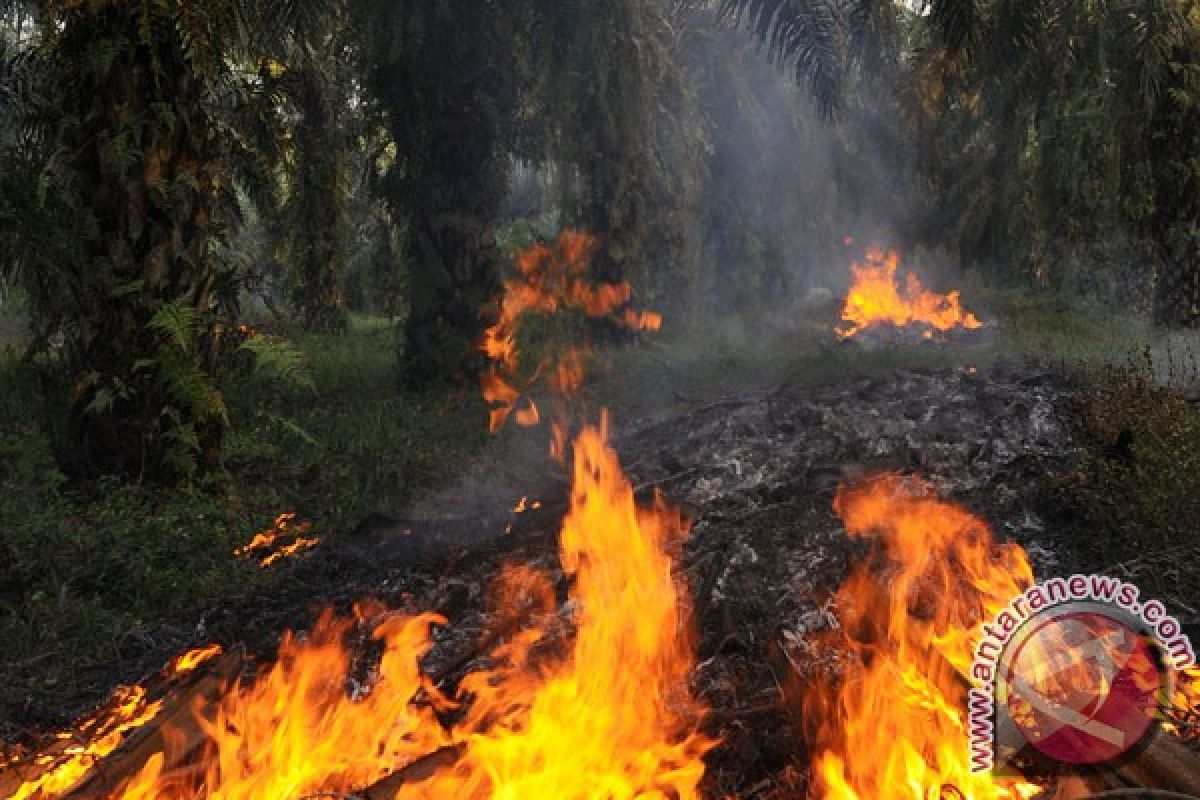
(278, 359)
(178, 321)
(189, 386)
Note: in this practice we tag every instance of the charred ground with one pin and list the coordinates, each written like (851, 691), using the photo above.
(1022, 441)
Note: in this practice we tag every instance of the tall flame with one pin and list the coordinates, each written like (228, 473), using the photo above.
(875, 298)
(613, 718)
(894, 727)
(549, 279)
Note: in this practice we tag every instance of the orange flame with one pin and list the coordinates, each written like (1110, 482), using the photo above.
(285, 526)
(613, 718)
(875, 299)
(298, 730)
(1185, 704)
(550, 279)
(61, 766)
(607, 714)
(894, 727)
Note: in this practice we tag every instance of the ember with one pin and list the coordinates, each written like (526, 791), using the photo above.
(59, 767)
(876, 299)
(284, 538)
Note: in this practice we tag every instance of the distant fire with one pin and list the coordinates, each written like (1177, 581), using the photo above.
(876, 299)
(286, 537)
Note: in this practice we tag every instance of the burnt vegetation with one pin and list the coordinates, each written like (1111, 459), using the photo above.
(249, 252)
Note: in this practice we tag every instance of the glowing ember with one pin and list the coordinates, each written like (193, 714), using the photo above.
(893, 727)
(876, 299)
(194, 658)
(605, 715)
(550, 279)
(284, 538)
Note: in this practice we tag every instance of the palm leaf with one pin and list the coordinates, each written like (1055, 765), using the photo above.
(805, 35)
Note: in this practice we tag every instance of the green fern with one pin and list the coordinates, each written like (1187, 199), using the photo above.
(178, 321)
(278, 359)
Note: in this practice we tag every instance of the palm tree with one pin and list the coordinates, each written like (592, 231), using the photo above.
(310, 78)
(447, 81)
(135, 111)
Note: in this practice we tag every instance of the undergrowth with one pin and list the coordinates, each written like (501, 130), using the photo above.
(86, 571)
(1132, 500)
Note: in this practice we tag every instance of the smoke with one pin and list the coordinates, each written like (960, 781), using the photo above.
(792, 195)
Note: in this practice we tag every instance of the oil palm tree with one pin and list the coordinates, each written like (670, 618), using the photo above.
(135, 116)
(447, 81)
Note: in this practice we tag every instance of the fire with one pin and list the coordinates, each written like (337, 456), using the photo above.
(59, 767)
(894, 726)
(875, 299)
(1183, 715)
(267, 547)
(550, 279)
(613, 718)
(299, 730)
(606, 713)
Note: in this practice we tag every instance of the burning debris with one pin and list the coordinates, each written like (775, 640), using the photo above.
(70, 760)
(876, 299)
(893, 723)
(547, 718)
(285, 538)
(644, 657)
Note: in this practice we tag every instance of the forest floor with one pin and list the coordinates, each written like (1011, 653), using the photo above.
(744, 425)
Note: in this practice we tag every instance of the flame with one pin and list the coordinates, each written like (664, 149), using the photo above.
(894, 727)
(612, 718)
(605, 713)
(550, 279)
(284, 526)
(875, 299)
(298, 730)
(1183, 715)
(192, 659)
(61, 766)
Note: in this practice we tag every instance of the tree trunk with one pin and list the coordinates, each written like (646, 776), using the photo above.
(447, 117)
(1177, 293)
(321, 205)
(146, 167)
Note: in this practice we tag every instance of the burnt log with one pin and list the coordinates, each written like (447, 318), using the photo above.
(176, 732)
(415, 771)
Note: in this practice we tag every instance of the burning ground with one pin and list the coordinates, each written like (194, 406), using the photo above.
(767, 553)
(771, 595)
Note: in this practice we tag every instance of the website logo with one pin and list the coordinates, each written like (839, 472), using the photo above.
(1073, 671)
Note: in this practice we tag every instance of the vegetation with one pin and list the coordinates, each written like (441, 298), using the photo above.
(1134, 496)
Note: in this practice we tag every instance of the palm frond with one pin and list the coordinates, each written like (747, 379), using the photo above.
(805, 35)
(956, 23)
